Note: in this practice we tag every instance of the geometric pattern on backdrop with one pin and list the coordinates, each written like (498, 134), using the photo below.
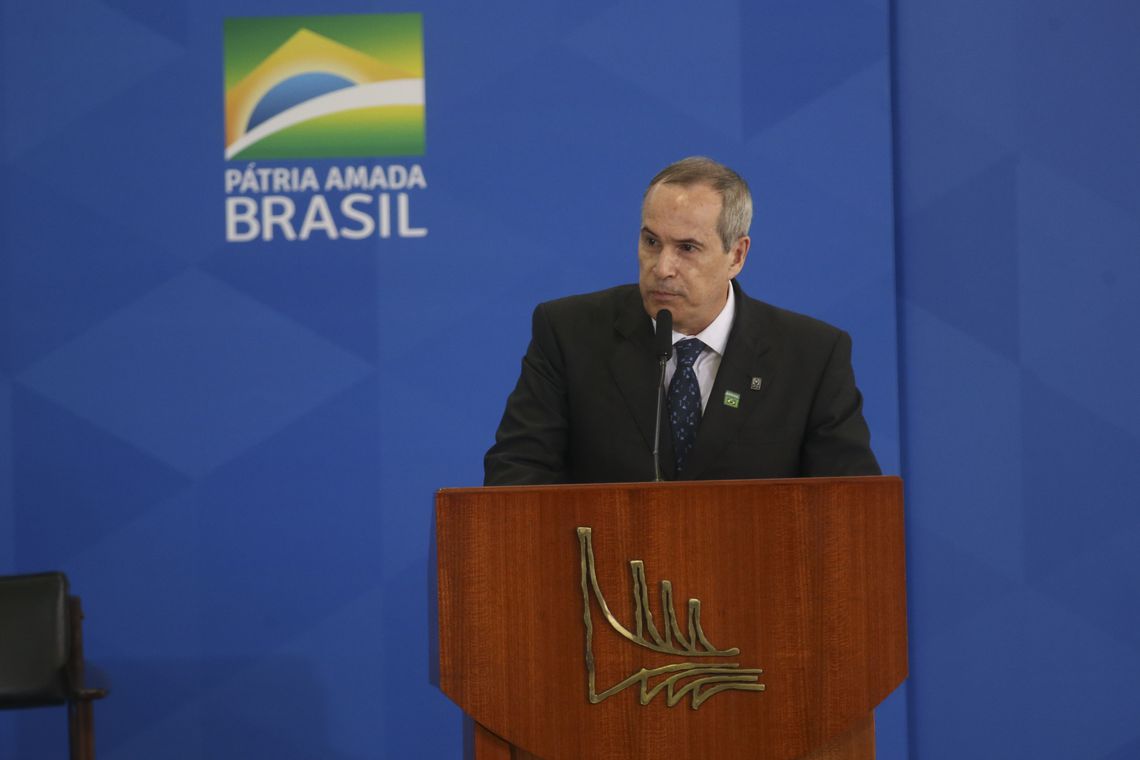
(1019, 227)
(204, 426)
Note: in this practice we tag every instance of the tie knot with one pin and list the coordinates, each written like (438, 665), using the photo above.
(688, 351)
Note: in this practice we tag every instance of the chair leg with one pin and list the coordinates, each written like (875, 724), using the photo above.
(81, 729)
(80, 711)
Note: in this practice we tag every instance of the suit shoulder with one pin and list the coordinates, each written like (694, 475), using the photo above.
(574, 331)
(599, 305)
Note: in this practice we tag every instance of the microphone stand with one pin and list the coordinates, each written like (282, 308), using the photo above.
(663, 347)
(662, 360)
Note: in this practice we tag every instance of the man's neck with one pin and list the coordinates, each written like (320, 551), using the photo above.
(715, 334)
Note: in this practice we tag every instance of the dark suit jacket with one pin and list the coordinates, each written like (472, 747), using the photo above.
(585, 405)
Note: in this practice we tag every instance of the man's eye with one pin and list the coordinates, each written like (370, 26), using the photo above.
(650, 241)
(687, 247)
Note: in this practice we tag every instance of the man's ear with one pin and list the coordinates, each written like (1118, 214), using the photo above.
(739, 253)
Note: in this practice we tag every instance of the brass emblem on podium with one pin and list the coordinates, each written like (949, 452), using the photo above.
(697, 679)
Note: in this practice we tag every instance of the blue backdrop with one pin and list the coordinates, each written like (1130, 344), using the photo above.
(1019, 233)
(232, 447)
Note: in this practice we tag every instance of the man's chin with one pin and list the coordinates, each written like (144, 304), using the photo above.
(655, 302)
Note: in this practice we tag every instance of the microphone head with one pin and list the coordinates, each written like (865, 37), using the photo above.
(663, 343)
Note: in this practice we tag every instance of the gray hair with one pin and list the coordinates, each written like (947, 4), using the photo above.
(736, 200)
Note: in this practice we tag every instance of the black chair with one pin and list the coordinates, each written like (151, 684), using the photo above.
(41, 654)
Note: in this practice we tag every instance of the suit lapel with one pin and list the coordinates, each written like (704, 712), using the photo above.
(636, 373)
(747, 355)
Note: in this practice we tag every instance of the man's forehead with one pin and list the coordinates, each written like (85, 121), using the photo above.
(680, 208)
(674, 199)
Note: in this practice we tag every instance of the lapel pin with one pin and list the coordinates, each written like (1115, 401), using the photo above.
(756, 381)
(732, 399)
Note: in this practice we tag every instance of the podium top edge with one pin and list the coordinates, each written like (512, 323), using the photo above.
(639, 485)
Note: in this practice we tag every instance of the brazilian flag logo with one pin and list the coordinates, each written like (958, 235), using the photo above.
(324, 86)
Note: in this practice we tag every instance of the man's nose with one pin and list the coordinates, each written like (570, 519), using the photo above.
(666, 263)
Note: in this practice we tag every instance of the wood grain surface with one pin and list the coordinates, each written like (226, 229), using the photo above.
(806, 577)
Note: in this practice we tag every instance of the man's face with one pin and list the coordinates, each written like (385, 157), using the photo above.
(683, 265)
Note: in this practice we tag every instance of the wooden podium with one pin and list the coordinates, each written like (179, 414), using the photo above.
(729, 619)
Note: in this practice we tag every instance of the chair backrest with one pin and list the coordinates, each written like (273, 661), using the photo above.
(35, 640)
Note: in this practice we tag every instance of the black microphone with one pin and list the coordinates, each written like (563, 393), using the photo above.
(663, 345)
(663, 348)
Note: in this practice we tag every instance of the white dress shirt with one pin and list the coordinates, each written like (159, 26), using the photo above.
(715, 338)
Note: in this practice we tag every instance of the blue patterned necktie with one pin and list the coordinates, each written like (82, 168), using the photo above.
(685, 400)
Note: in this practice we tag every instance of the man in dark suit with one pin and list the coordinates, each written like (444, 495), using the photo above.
(754, 391)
